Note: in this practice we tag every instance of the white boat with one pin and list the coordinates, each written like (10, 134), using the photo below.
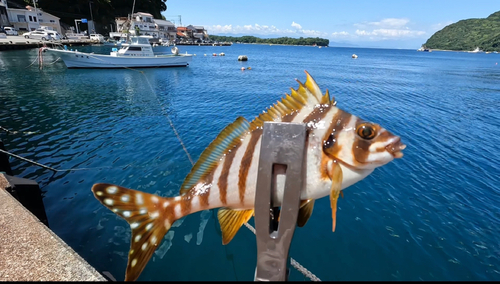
(137, 53)
(477, 50)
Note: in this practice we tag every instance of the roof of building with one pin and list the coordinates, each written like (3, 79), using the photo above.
(143, 14)
(181, 34)
(29, 10)
(163, 23)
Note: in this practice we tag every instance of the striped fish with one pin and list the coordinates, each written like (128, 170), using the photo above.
(342, 149)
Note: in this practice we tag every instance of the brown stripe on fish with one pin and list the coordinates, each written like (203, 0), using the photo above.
(318, 114)
(246, 161)
(206, 192)
(222, 182)
(185, 204)
(339, 121)
(289, 117)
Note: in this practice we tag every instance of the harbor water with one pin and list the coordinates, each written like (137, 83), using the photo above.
(432, 215)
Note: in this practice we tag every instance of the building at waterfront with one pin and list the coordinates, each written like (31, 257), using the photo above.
(145, 24)
(28, 19)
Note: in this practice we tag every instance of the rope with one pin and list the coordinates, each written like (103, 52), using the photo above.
(54, 61)
(44, 166)
(5, 129)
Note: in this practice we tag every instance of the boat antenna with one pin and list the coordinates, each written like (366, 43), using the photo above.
(130, 21)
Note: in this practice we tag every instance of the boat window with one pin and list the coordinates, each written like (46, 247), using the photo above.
(140, 40)
(134, 48)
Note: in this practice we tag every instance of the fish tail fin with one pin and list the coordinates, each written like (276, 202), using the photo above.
(150, 217)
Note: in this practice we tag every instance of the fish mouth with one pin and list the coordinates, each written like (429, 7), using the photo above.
(395, 148)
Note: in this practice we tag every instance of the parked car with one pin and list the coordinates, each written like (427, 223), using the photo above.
(53, 34)
(3, 34)
(97, 38)
(10, 31)
(38, 35)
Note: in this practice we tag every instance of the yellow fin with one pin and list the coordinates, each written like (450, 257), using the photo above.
(313, 87)
(325, 99)
(226, 140)
(305, 212)
(336, 177)
(307, 94)
(230, 222)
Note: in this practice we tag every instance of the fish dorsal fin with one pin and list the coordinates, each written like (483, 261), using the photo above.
(226, 140)
(230, 222)
(307, 94)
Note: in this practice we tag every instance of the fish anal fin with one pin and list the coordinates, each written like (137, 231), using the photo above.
(230, 221)
(336, 176)
(150, 217)
(209, 159)
(305, 212)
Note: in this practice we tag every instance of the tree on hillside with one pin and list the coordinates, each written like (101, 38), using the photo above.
(103, 11)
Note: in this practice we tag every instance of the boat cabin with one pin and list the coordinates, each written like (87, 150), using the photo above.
(138, 46)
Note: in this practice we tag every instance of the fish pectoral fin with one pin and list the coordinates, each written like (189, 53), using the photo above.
(336, 177)
(150, 217)
(305, 212)
(230, 221)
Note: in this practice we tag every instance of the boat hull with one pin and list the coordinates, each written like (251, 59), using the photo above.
(75, 59)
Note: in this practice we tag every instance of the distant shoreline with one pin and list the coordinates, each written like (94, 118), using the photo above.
(466, 51)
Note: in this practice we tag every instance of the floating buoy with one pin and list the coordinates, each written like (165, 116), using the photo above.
(354, 56)
(242, 68)
(242, 58)
(249, 68)
(222, 54)
(214, 54)
(205, 54)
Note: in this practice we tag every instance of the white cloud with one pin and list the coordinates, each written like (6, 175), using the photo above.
(389, 33)
(340, 34)
(390, 23)
(389, 28)
(222, 29)
(297, 26)
(265, 30)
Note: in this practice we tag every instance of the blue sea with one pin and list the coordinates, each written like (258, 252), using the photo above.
(432, 215)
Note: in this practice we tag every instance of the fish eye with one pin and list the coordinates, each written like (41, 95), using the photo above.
(366, 131)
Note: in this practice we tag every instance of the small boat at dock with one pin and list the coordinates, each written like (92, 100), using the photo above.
(137, 53)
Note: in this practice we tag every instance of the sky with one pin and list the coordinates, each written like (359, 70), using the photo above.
(400, 24)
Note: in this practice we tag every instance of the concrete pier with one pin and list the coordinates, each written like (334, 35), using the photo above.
(19, 42)
(29, 251)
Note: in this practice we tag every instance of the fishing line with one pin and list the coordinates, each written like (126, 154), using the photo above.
(5, 129)
(47, 167)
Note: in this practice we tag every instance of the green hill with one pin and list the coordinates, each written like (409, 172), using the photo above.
(468, 34)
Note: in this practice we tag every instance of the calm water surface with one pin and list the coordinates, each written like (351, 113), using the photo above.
(432, 215)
